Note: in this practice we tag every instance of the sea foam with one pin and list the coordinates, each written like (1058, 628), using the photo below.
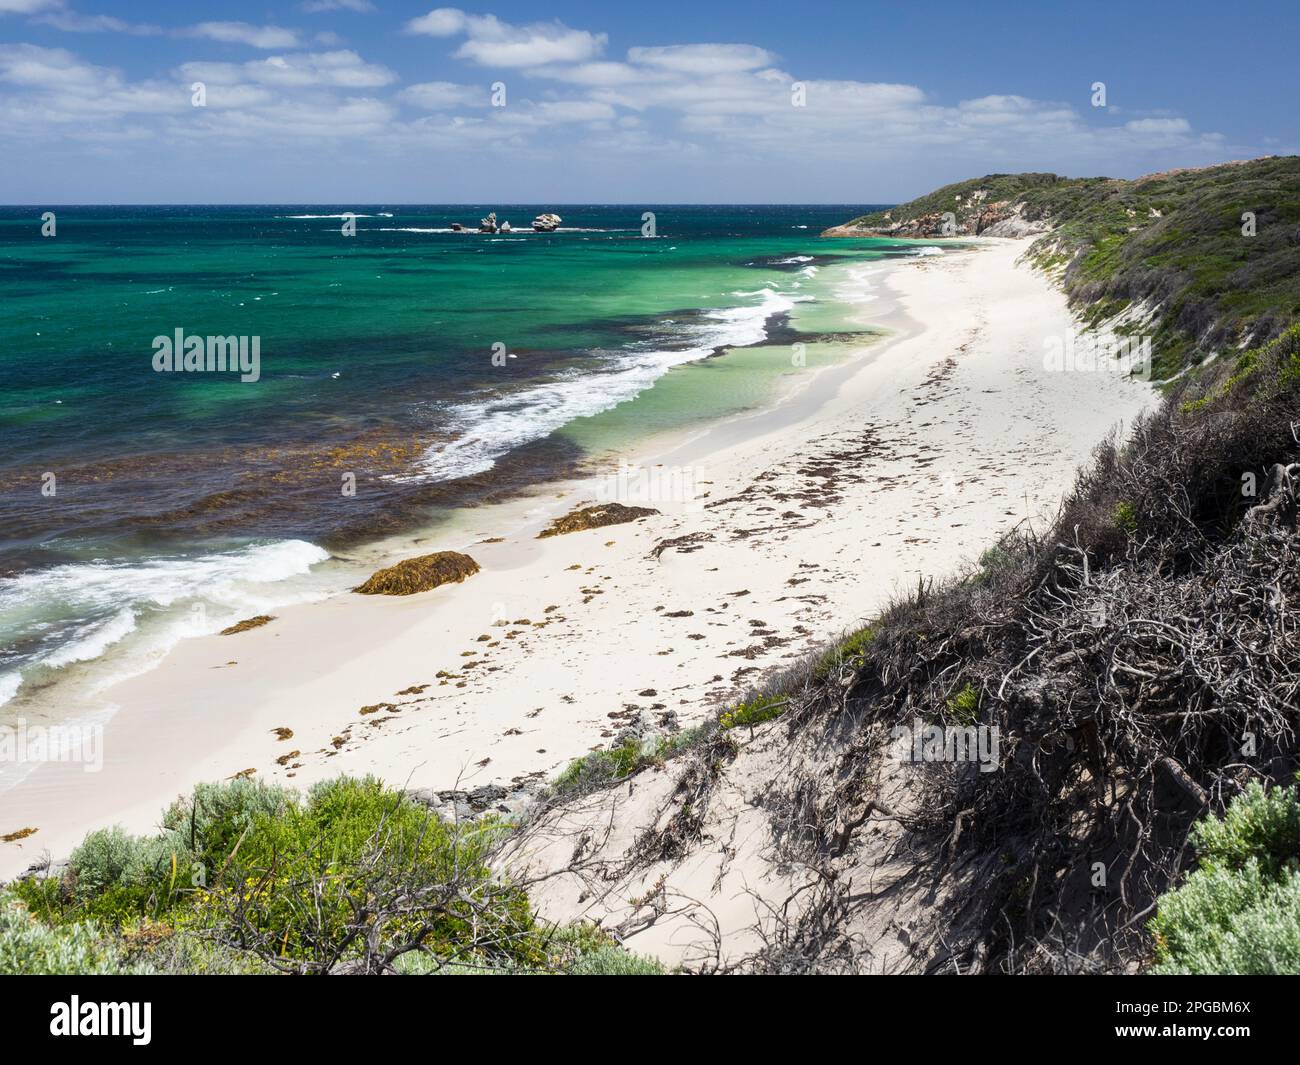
(488, 430)
(76, 612)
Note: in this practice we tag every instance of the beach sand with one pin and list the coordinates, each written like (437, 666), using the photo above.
(905, 462)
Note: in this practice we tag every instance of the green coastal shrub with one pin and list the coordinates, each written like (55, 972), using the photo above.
(242, 876)
(1260, 824)
(210, 822)
(1239, 912)
(603, 961)
(1287, 350)
(118, 878)
(574, 950)
(964, 707)
(994, 560)
(247, 878)
(598, 769)
(30, 947)
(848, 651)
(113, 878)
(582, 949)
(359, 860)
(754, 712)
(615, 961)
(1125, 516)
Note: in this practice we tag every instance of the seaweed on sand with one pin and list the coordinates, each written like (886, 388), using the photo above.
(595, 517)
(419, 574)
(248, 623)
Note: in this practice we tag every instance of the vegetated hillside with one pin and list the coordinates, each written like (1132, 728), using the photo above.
(967, 208)
(1131, 673)
(1135, 671)
(1168, 254)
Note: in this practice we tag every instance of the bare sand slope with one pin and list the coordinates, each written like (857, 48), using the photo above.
(907, 461)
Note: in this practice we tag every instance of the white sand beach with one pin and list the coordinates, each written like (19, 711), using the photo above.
(903, 463)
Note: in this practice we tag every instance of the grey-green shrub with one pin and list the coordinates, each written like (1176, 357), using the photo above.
(111, 857)
(598, 769)
(1263, 824)
(574, 950)
(215, 815)
(614, 961)
(1239, 912)
(28, 946)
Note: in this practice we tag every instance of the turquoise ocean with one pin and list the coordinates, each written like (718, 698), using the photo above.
(437, 369)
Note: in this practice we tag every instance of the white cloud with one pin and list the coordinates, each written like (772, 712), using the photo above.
(361, 7)
(440, 22)
(27, 7)
(55, 87)
(56, 14)
(1159, 125)
(245, 33)
(705, 59)
(493, 43)
(998, 105)
(602, 73)
(444, 95)
(718, 110)
(343, 69)
(48, 68)
(310, 120)
(71, 22)
(557, 112)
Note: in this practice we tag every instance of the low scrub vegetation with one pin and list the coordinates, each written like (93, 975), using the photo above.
(753, 712)
(601, 768)
(1239, 912)
(246, 877)
(1209, 254)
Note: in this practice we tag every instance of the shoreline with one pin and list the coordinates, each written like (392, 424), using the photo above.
(284, 566)
(629, 636)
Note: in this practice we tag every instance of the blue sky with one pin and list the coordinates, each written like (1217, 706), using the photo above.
(363, 101)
